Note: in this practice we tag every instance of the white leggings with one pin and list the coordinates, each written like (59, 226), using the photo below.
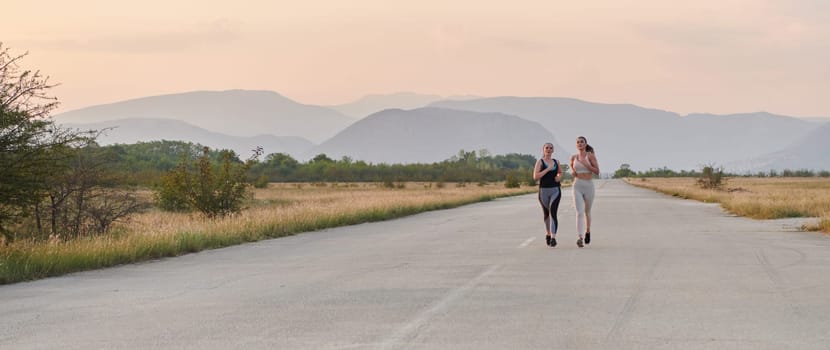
(583, 199)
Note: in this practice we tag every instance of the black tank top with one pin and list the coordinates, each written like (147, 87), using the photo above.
(549, 180)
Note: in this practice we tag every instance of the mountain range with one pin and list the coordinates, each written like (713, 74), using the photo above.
(427, 135)
(809, 152)
(649, 138)
(134, 130)
(621, 133)
(232, 112)
(373, 103)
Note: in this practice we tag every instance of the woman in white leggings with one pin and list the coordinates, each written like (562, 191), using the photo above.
(583, 168)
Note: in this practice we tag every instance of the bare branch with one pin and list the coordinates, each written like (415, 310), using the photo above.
(24, 90)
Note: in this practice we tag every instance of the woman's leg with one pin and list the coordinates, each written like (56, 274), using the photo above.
(579, 205)
(544, 199)
(554, 211)
(589, 202)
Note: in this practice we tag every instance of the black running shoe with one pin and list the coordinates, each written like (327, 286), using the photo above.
(547, 240)
(552, 242)
(587, 238)
(579, 242)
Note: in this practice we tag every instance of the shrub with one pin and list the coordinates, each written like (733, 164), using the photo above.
(199, 186)
(511, 181)
(261, 181)
(711, 178)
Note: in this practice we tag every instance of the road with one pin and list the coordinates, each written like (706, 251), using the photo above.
(661, 273)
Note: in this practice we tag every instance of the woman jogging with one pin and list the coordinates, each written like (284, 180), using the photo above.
(549, 174)
(583, 167)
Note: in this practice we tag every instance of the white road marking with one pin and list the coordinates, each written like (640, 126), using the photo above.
(528, 241)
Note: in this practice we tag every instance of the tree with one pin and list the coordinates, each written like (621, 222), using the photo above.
(198, 185)
(322, 158)
(711, 177)
(111, 205)
(81, 199)
(624, 171)
(466, 157)
(31, 146)
(23, 91)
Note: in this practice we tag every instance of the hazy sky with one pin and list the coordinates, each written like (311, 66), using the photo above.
(699, 56)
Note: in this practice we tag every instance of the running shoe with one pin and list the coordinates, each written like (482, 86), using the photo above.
(579, 242)
(552, 242)
(587, 238)
(547, 240)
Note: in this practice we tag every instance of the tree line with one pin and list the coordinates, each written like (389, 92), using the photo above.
(146, 163)
(626, 171)
(466, 166)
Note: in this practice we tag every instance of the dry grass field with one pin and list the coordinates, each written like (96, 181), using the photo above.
(287, 205)
(759, 198)
(279, 210)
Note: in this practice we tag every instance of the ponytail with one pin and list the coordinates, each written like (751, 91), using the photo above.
(588, 147)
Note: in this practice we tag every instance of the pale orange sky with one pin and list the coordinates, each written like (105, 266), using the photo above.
(702, 56)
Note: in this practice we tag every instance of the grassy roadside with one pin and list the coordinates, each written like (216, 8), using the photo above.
(280, 210)
(758, 198)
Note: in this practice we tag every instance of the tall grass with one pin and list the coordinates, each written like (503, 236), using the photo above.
(279, 210)
(759, 198)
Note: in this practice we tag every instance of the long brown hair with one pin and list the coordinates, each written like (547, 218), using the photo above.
(588, 147)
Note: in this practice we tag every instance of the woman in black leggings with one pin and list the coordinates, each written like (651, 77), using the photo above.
(549, 174)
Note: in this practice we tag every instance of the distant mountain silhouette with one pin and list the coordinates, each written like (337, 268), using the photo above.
(428, 135)
(740, 136)
(377, 102)
(644, 138)
(130, 131)
(810, 152)
(819, 120)
(649, 138)
(232, 112)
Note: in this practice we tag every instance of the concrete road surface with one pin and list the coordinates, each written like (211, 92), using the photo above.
(661, 273)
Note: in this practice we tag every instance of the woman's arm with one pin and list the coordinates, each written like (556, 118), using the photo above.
(537, 170)
(573, 171)
(594, 166)
(558, 171)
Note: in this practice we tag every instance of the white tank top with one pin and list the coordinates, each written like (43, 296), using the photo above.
(579, 167)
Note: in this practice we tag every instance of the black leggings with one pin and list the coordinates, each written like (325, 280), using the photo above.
(549, 199)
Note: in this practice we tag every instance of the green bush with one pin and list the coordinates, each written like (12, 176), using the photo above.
(199, 186)
(511, 181)
(261, 181)
(711, 178)
(624, 171)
